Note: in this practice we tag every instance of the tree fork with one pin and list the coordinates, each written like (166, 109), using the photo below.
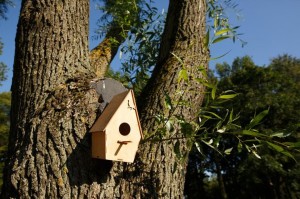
(53, 107)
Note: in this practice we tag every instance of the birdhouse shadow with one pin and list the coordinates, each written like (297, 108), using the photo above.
(83, 169)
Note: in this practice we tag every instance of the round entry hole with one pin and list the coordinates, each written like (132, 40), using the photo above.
(124, 129)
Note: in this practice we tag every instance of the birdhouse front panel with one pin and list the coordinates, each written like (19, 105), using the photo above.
(118, 128)
(123, 132)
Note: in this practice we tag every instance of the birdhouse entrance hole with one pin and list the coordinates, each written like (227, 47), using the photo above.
(124, 129)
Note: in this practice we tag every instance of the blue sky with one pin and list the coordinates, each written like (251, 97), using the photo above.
(270, 28)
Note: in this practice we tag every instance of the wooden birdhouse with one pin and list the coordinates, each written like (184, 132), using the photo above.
(117, 132)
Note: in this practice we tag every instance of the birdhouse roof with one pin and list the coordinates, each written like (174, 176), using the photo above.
(109, 112)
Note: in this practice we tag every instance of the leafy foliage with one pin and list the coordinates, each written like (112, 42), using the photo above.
(4, 98)
(274, 87)
(219, 27)
(4, 6)
(141, 27)
(140, 51)
(4, 127)
(3, 67)
(121, 14)
(271, 136)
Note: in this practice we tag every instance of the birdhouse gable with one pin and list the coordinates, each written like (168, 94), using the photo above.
(108, 113)
(121, 107)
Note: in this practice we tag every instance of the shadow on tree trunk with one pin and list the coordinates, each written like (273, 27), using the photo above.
(90, 169)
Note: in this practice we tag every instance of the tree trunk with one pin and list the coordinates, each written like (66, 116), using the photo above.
(220, 177)
(53, 107)
(183, 39)
(102, 55)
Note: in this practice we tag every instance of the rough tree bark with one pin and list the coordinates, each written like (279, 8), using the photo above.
(102, 55)
(183, 37)
(53, 107)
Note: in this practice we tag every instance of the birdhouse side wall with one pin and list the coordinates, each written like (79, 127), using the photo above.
(98, 145)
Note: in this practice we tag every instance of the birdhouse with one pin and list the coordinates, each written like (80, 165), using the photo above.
(117, 132)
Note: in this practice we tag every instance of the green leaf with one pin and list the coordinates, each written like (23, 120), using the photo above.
(187, 129)
(161, 131)
(158, 118)
(221, 38)
(213, 92)
(280, 150)
(209, 143)
(256, 155)
(257, 119)
(280, 134)
(221, 130)
(227, 96)
(178, 58)
(286, 153)
(214, 114)
(275, 147)
(206, 116)
(251, 133)
(231, 116)
(228, 151)
(240, 147)
(203, 70)
(235, 27)
(248, 148)
(168, 101)
(198, 147)
(206, 39)
(294, 144)
(216, 22)
(220, 32)
(204, 82)
(169, 126)
(215, 58)
(182, 75)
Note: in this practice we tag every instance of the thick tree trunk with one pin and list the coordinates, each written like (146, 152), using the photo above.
(53, 107)
(183, 37)
(51, 111)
